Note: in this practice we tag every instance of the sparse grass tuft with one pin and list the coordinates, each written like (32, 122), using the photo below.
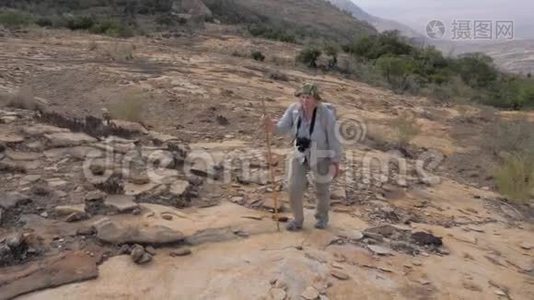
(509, 136)
(515, 177)
(405, 126)
(129, 107)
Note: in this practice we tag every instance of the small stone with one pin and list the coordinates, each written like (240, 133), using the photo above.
(125, 249)
(379, 250)
(354, 235)
(31, 178)
(475, 228)
(179, 187)
(44, 214)
(526, 245)
(180, 252)
(14, 241)
(237, 200)
(136, 211)
(339, 275)
(310, 293)
(277, 294)
(166, 217)
(151, 250)
(121, 203)
(500, 293)
(416, 262)
(137, 253)
(95, 196)
(75, 217)
(145, 259)
(69, 209)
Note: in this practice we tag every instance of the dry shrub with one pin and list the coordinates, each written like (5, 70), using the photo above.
(515, 177)
(23, 99)
(119, 52)
(129, 107)
(509, 136)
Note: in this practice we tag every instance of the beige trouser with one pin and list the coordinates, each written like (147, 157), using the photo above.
(297, 184)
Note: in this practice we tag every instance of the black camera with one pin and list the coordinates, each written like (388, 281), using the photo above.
(303, 144)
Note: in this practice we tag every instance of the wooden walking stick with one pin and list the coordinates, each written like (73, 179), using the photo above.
(271, 170)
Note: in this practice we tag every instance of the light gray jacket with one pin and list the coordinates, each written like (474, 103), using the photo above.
(324, 134)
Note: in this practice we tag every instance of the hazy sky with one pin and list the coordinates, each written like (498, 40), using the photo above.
(417, 13)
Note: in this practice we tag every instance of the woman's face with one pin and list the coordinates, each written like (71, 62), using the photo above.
(307, 101)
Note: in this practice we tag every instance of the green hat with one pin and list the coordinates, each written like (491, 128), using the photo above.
(310, 89)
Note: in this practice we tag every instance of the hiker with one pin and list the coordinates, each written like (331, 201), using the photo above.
(316, 149)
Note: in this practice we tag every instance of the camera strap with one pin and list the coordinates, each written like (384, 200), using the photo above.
(312, 126)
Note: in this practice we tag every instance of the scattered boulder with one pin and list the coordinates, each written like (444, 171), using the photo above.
(118, 233)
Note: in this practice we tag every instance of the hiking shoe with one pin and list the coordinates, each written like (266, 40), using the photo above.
(293, 226)
(321, 224)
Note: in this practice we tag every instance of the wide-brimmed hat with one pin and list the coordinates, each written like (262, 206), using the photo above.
(310, 89)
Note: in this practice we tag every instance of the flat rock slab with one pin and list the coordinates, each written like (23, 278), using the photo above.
(68, 139)
(42, 129)
(121, 203)
(17, 155)
(52, 272)
(119, 233)
(10, 137)
(13, 199)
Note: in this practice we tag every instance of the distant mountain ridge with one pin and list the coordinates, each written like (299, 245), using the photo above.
(379, 23)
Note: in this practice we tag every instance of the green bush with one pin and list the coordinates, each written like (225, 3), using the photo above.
(396, 70)
(44, 22)
(112, 28)
(80, 23)
(476, 69)
(387, 43)
(15, 19)
(331, 50)
(271, 32)
(257, 55)
(309, 56)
